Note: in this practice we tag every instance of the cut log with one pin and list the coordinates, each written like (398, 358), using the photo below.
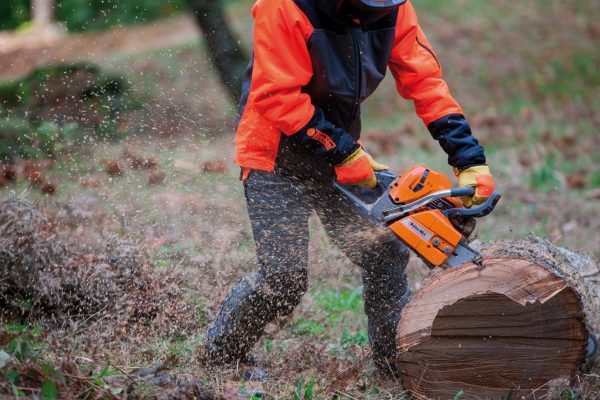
(505, 327)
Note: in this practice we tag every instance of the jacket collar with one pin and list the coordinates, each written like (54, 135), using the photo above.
(334, 10)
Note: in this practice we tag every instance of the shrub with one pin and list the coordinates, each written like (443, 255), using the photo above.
(58, 106)
(81, 15)
(13, 13)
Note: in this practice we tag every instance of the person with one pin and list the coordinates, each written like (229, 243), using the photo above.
(298, 128)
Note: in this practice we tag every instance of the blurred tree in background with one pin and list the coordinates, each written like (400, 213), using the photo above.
(224, 49)
(42, 12)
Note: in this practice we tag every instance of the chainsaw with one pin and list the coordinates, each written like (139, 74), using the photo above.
(423, 209)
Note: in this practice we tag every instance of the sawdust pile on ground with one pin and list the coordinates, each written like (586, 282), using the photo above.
(44, 277)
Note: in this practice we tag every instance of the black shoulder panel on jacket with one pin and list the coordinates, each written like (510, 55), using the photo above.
(319, 18)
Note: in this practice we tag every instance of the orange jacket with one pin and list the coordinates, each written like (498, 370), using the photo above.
(303, 57)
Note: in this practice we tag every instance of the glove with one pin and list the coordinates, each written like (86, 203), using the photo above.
(359, 169)
(377, 167)
(323, 139)
(481, 179)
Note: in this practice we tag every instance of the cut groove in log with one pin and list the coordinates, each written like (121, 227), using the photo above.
(508, 326)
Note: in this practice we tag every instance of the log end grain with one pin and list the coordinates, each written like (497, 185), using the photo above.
(510, 326)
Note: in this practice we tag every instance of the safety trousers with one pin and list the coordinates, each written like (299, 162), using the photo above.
(279, 208)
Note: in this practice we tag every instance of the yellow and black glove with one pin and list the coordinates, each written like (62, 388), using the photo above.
(377, 167)
(481, 179)
(359, 170)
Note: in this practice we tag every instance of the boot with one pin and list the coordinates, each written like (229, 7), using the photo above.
(239, 323)
(254, 302)
(385, 292)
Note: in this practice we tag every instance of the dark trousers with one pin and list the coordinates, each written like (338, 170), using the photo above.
(279, 208)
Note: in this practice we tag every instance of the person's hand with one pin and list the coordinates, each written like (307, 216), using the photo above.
(377, 167)
(359, 170)
(481, 179)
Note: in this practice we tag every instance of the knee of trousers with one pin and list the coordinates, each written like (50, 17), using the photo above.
(284, 287)
(385, 289)
(388, 254)
(385, 284)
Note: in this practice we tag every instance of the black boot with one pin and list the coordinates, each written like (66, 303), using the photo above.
(385, 293)
(238, 325)
(254, 302)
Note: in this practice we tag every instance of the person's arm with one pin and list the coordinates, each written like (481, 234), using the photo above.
(282, 64)
(418, 76)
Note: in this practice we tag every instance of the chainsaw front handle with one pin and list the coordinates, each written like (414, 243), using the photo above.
(476, 212)
(466, 191)
(401, 211)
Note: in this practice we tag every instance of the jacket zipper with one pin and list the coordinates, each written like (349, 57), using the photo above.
(359, 69)
(429, 51)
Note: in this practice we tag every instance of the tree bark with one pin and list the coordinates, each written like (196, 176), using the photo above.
(510, 325)
(42, 12)
(224, 49)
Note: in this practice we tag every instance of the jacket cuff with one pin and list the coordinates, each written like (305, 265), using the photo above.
(321, 138)
(311, 122)
(454, 135)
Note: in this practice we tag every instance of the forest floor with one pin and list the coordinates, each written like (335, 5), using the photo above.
(22, 52)
(530, 89)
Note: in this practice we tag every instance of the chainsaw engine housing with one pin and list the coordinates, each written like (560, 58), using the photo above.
(426, 230)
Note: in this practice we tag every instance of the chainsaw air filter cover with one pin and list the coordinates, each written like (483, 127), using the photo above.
(417, 183)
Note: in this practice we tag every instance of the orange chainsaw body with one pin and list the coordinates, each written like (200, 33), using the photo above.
(418, 182)
(426, 230)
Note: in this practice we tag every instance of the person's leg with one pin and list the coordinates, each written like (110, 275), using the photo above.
(279, 213)
(383, 259)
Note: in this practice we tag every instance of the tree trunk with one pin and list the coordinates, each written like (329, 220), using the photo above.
(224, 49)
(42, 12)
(508, 326)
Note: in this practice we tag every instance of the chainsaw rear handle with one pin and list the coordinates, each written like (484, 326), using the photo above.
(370, 203)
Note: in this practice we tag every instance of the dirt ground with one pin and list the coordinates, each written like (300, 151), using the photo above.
(21, 53)
(526, 85)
